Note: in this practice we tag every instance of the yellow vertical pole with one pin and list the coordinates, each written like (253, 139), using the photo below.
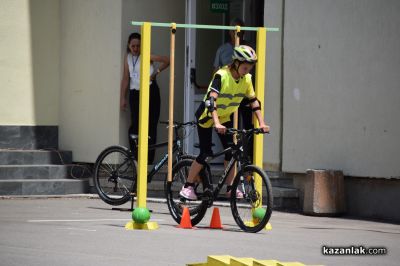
(144, 96)
(259, 90)
(171, 101)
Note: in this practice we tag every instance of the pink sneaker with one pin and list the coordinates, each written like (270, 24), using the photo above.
(188, 193)
(239, 194)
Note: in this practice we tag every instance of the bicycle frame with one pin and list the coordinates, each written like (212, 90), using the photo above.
(215, 191)
(239, 151)
(177, 149)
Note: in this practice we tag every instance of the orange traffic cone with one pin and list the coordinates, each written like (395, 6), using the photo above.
(215, 219)
(186, 223)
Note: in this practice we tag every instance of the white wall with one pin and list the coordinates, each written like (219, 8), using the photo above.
(341, 86)
(90, 76)
(94, 35)
(29, 62)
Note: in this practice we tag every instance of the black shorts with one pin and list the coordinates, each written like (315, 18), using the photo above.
(205, 139)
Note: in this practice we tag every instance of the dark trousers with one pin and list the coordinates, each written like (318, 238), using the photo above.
(154, 115)
(205, 141)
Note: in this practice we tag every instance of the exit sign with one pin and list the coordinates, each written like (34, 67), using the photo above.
(219, 6)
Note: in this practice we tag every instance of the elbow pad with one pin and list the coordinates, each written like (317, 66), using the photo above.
(259, 104)
(210, 104)
(254, 99)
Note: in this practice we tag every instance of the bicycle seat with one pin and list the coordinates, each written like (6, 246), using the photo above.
(197, 145)
(135, 137)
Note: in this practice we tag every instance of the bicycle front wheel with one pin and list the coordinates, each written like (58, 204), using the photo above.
(176, 203)
(115, 175)
(252, 211)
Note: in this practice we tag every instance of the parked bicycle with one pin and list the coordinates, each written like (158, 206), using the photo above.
(251, 180)
(115, 170)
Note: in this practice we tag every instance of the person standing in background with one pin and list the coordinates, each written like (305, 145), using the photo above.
(224, 53)
(131, 80)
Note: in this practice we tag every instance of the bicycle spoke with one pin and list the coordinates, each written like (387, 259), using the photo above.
(106, 168)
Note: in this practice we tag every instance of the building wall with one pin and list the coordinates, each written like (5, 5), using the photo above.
(29, 62)
(340, 86)
(332, 101)
(90, 75)
(94, 35)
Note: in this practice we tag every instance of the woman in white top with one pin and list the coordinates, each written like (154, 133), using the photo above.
(131, 79)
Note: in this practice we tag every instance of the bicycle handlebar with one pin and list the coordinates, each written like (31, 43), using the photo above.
(180, 124)
(245, 131)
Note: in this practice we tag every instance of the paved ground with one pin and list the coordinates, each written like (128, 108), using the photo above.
(85, 231)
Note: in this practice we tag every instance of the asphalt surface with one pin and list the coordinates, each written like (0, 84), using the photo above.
(83, 230)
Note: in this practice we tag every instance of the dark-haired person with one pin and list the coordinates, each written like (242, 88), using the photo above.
(224, 53)
(131, 80)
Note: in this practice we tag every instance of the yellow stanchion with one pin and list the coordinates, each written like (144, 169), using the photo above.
(144, 96)
(259, 90)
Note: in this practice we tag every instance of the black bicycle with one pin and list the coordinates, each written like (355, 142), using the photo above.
(115, 170)
(251, 212)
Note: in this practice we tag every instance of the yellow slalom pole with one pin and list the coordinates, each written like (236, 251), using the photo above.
(259, 90)
(144, 96)
(171, 101)
(258, 139)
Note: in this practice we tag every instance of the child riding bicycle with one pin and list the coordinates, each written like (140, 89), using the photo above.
(229, 86)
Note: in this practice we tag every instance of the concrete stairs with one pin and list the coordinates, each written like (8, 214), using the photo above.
(40, 172)
(286, 197)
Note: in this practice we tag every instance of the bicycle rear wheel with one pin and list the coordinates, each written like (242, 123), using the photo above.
(176, 203)
(253, 211)
(115, 174)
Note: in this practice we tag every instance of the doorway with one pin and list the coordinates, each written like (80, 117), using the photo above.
(201, 46)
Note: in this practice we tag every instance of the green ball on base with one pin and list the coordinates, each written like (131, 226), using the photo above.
(259, 213)
(141, 215)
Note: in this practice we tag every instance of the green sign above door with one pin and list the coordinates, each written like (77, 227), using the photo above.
(219, 6)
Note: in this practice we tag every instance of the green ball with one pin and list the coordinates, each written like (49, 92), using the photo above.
(259, 213)
(141, 215)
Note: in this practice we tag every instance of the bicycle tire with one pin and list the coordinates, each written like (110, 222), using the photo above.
(187, 156)
(253, 198)
(176, 203)
(115, 175)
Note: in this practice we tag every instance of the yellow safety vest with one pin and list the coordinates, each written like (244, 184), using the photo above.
(230, 95)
